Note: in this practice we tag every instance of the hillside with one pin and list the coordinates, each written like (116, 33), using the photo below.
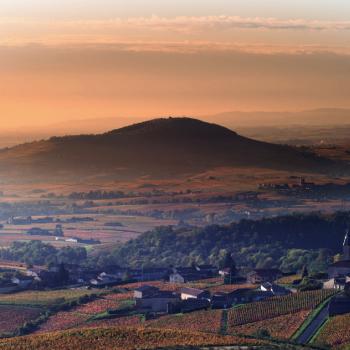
(285, 242)
(120, 339)
(160, 147)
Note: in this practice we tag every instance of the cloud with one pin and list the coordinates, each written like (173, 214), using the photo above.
(184, 34)
(184, 47)
(182, 23)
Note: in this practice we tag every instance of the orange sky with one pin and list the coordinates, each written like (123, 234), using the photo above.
(66, 61)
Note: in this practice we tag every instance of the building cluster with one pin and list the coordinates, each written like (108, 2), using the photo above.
(150, 299)
(300, 184)
(339, 272)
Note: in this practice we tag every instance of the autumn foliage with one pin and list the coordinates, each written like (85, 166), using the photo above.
(277, 306)
(336, 331)
(119, 339)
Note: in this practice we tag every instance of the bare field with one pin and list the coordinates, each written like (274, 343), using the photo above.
(217, 196)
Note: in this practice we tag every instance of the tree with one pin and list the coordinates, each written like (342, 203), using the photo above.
(304, 272)
(262, 333)
(229, 263)
(62, 275)
(347, 289)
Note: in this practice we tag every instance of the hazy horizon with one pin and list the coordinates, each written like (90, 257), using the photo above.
(63, 61)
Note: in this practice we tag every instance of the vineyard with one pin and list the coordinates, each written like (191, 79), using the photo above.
(282, 327)
(127, 321)
(201, 321)
(119, 296)
(276, 306)
(61, 321)
(336, 331)
(120, 339)
(97, 306)
(44, 298)
(12, 318)
(80, 314)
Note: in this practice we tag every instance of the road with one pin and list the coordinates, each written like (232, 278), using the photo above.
(314, 326)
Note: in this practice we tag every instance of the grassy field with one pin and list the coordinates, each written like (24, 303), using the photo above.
(44, 298)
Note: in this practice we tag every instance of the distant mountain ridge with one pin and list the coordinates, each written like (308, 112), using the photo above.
(314, 117)
(159, 147)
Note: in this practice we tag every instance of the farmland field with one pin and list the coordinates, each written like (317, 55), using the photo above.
(120, 339)
(97, 306)
(44, 298)
(148, 204)
(61, 321)
(13, 317)
(126, 321)
(282, 327)
(276, 306)
(335, 332)
(201, 321)
(79, 315)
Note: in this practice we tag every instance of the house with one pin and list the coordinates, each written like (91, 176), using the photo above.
(188, 274)
(145, 291)
(19, 220)
(243, 295)
(156, 301)
(337, 283)
(342, 267)
(194, 293)
(104, 280)
(339, 305)
(275, 289)
(116, 271)
(221, 300)
(258, 295)
(339, 268)
(22, 282)
(259, 276)
(188, 305)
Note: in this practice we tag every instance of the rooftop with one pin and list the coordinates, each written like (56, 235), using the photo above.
(191, 291)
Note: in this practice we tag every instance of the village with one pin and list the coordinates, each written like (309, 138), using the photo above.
(255, 286)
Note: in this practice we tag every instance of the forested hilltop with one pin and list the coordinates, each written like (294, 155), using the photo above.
(287, 242)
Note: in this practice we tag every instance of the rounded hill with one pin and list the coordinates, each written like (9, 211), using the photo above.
(159, 147)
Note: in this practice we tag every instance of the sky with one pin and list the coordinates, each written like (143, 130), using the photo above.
(63, 60)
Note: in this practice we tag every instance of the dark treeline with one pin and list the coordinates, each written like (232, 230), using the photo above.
(38, 253)
(287, 242)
